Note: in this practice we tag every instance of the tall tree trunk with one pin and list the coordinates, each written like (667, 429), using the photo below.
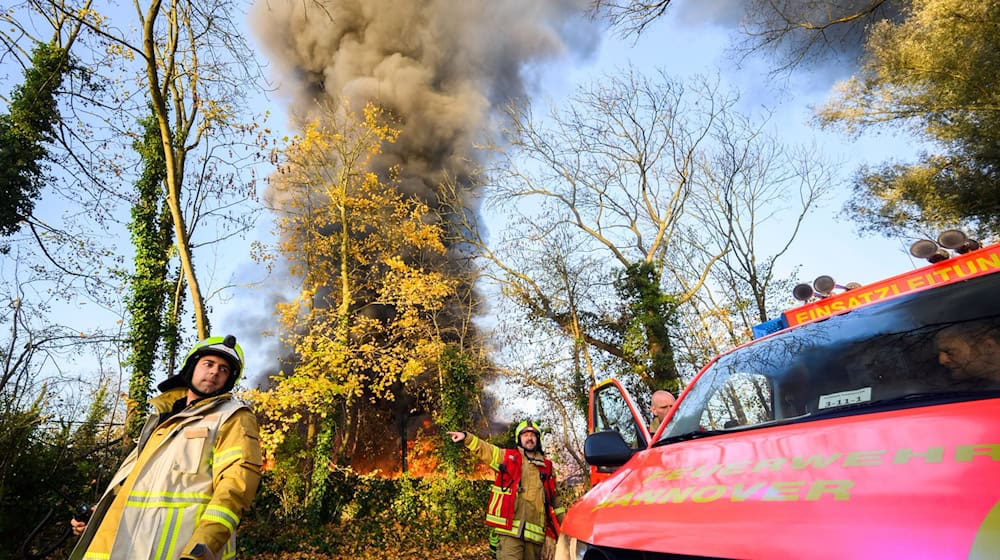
(174, 161)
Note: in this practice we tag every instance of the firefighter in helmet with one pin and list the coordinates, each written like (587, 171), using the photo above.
(523, 507)
(180, 493)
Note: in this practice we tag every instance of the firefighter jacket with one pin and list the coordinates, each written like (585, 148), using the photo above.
(192, 475)
(523, 501)
(654, 424)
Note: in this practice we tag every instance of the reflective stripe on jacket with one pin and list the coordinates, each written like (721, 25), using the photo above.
(518, 505)
(187, 482)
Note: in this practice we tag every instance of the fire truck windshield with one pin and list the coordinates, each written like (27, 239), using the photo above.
(938, 345)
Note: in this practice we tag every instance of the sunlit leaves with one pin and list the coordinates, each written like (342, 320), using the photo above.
(362, 321)
(934, 71)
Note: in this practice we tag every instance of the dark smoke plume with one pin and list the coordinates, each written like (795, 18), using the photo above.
(442, 67)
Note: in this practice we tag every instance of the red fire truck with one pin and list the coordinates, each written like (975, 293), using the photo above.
(868, 426)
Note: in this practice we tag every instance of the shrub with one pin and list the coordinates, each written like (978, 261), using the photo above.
(369, 515)
(49, 468)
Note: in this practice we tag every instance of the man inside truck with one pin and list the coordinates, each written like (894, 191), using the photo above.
(659, 405)
(970, 351)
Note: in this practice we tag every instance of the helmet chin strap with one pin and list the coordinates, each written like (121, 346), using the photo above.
(203, 395)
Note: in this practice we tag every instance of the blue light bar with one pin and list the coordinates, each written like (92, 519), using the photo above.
(772, 326)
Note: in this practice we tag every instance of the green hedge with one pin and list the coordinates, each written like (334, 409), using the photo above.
(370, 515)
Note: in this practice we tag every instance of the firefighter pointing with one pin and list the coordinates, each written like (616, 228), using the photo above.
(523, 507)
(180, 493)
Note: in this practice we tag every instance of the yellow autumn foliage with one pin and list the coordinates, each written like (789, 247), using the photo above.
(363, 320)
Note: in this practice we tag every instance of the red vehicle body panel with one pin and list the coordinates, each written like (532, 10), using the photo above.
(853, 487)
(918, 481)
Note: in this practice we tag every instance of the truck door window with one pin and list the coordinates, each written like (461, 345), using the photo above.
(611, 412)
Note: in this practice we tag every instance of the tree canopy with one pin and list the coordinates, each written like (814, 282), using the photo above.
(362, 326)
(25, 131)
(932, 72)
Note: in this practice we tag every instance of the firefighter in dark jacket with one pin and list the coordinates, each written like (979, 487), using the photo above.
(523, 507)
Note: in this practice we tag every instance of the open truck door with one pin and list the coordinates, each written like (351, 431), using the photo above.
(616, 429)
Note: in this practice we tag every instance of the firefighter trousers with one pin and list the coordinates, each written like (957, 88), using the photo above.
(513, 548)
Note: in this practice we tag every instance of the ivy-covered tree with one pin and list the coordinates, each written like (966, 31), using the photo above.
(149, 289)
(193, 70)
(25, 131)
(646, 322)
(460, 386)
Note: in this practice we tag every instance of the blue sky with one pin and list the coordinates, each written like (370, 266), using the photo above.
(829, 243)
(683, 44)
(686, 41)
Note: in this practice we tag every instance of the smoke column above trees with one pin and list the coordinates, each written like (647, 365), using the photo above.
(443, 67)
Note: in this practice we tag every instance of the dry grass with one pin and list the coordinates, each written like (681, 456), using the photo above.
(452, 552)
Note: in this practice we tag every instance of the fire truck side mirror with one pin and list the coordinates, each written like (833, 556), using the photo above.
(606, 449)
